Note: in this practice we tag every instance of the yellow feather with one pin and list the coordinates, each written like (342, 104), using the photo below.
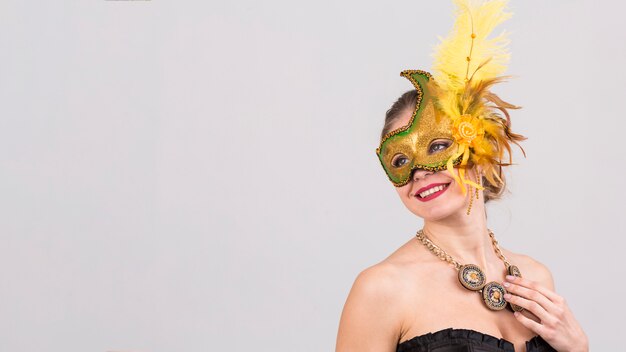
(467, 64)
(488, 56)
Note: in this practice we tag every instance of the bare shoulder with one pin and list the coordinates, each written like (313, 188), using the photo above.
(380, 278)
(371, 317)
(531, 268)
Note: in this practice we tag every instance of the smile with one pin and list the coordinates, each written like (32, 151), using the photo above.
(431, 191)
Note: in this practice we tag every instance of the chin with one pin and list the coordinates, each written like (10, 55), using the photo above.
(435, 213)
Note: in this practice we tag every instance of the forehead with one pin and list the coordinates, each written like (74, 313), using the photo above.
(402, 119)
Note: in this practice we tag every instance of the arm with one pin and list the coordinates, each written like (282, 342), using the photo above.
(370, 320)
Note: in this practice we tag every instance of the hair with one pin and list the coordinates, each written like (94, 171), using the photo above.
(407, 101)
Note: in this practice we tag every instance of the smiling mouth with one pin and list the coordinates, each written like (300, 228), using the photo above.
(432, 193)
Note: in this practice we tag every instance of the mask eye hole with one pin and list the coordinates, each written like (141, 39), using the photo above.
(439, 145)
(399, 160)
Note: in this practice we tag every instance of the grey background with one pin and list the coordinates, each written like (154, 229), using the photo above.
(201, 176)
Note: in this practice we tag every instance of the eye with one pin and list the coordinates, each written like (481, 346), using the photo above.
(439, 145)
(399, 160)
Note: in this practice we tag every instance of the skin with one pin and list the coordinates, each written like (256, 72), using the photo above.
(413, 292)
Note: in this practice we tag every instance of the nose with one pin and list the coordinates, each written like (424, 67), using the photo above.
(421, 173)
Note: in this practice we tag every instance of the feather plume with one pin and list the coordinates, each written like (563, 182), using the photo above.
(467, 64)
(467, 53)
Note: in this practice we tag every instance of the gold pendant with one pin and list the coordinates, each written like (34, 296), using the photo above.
(493, 295)
(471, 277)
(514, 270)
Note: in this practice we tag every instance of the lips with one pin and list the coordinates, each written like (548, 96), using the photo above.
(432, 195)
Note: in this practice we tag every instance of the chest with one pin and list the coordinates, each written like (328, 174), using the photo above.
(441, 302)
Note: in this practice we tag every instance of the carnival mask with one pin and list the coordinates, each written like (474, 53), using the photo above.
(426, 142)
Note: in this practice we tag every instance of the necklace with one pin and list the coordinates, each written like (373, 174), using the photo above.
(473, 278)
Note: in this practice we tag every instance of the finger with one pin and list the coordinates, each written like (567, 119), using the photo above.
(552, 296)
(529, 305)
(532, 295)
(530, 324)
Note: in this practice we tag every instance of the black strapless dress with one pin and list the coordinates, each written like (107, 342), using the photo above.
(467, 340)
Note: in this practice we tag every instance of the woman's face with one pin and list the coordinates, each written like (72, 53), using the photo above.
(432, 195)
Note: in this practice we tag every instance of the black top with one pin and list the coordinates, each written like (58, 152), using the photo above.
(467, 340)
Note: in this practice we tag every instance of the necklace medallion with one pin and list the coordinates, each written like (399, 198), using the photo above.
(472, 277)
(493, 295)
(514, 270)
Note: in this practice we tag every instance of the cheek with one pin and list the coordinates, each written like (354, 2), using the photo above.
(404, 192)
(454, 193)
(454, 188)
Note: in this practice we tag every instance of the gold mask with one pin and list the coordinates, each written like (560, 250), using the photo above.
(426, 142)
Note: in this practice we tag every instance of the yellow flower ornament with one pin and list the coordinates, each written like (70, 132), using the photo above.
(466, 128)
(468, 131)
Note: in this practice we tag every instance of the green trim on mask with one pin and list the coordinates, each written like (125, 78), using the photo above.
(419, 79)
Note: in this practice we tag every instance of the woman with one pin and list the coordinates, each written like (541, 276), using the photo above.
(442, 148)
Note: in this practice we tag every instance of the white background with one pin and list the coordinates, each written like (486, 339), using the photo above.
(201, 176)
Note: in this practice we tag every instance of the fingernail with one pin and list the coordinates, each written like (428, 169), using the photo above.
(507, 295)
(506, 284)
(516, 313)
(510, 277)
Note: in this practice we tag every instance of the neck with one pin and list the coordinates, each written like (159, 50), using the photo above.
(464, 237)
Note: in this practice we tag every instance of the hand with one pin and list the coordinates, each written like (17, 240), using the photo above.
(557, 323)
